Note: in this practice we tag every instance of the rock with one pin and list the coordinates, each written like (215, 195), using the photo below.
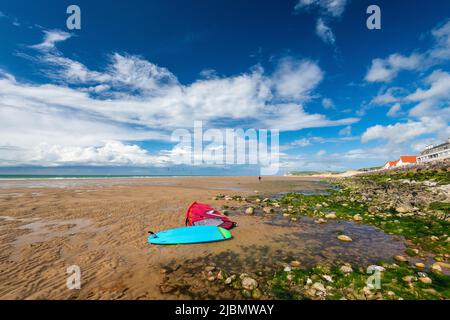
(243, 275)
(293, 219)
(258, 200)
(425, 280)
(420, 265)
(256, 294)
(319, 221)
(246, 293)
(228, 198)
(287, 269)
(435, 267)
(210, 268)
(331, 215)
(266, 200)
(346, 269)
(250, 210)
(408, 279)
(267, 210)
(308, 281)
(434, 238)
(295, 263)
(400, 258)
(319, 287)
(345, 238)
(327, 278)
(249, 283)
(211, 278)
(357, 218)
(220, 275)
(230, 279)
(402, 209)
(167, 288)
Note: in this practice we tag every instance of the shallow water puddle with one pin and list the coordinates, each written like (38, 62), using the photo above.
(43, 230)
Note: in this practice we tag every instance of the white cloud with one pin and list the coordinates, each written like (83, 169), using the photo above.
(385, 70)
(346, 131)
(324, 32)
(135, 100)
(327, 103)
(111, 153)
(327, 9)
(394, 110)
(333, 8)
(295, 79)
(51, 38)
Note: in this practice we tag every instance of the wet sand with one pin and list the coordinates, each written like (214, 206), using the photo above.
(101, 225)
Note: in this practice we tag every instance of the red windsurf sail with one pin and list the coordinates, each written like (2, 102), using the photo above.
(201, 214)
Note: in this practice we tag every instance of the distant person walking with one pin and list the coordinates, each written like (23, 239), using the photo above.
(259, 178)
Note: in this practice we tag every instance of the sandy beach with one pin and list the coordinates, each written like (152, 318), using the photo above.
(101, 225)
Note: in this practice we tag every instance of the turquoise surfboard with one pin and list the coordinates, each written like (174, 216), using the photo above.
(187, 235)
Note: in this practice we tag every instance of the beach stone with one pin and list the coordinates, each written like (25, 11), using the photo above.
(287, 269)
(345, 238)
(425, 280)
(400, 258)
(250, 210)
(357, 218)
(256, 294)
(249, 283)
(230, 279)
(420, 265)
(267, 210)
(319, 287)
(331, 215)
(346, 269)
(408, 279)
(295, 263)
(435, 267)
(246, 293)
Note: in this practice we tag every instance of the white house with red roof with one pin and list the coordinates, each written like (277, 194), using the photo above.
(403, 161)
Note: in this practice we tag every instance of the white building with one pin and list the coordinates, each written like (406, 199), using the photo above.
(435, 153)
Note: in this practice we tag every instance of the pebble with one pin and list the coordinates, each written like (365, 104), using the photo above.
(435, 267)
(249, 283)
(209, 268)
(346, 269)
(330, 216)
(327, 278)
(230, 279)
(250, 210)
(319, 287)
(434, 238)
(256, 294)
(295, 263)
(357, 217)
(400, 258)
(267, 210)
(420, 265)
(287, 269)
(425, 280)
(345, 238)
(319, 221)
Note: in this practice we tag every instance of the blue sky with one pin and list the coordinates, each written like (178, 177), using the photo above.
(111, 94)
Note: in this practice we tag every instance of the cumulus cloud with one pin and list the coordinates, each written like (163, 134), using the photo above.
(385, 70)
(295, 79)
(132, 99)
